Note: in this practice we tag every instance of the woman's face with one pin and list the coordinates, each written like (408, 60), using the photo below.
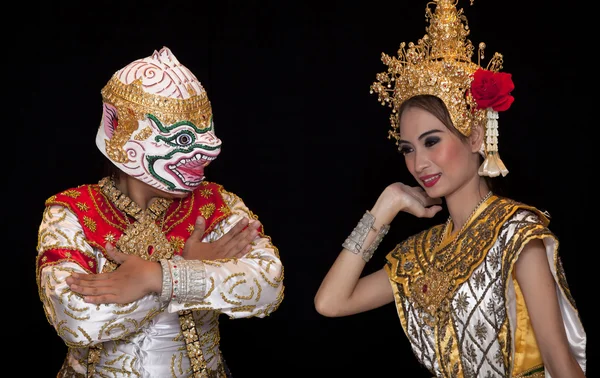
(438, 159)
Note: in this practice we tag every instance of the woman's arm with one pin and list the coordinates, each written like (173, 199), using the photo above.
(355, 295)
(539, 290)
(343, 292)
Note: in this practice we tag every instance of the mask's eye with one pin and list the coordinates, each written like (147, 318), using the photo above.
(181, 139)
(184, 139)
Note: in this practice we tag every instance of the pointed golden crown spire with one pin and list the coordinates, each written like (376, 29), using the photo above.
(448, 33)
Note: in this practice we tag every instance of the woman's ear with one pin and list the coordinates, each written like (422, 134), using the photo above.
(476, 138)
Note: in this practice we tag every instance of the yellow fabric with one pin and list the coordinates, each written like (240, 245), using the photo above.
(527, 354)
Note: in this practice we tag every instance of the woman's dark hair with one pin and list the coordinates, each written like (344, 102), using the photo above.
(435, 106)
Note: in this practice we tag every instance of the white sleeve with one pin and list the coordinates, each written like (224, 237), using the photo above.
(79, 323)
(238, 287)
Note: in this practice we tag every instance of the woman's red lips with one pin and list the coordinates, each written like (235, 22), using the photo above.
(430, 180)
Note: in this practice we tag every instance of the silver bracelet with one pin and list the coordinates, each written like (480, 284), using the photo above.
(167, 282)
(189, 277)
(368, 253)
(354, 242)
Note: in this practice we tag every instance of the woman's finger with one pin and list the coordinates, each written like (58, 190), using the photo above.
(419, 195)
(431, 211)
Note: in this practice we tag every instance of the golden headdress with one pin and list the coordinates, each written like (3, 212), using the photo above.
(440, 64)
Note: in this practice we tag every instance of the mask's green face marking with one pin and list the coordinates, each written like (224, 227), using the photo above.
(179, 152)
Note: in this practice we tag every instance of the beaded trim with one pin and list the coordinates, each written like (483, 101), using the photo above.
(144, 237)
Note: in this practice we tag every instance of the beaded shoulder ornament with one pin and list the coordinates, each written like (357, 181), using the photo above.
(440, 64)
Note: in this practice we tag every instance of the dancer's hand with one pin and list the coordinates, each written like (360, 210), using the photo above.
(132, 280)
(414, 200)
(235, 243)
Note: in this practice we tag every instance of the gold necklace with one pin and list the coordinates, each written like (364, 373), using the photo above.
(434, 256)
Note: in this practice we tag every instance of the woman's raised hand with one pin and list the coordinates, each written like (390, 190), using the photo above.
(414, 200)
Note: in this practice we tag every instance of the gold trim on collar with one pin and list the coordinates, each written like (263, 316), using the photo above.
(144, 237)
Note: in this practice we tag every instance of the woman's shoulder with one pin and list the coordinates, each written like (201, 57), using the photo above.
(522, 211)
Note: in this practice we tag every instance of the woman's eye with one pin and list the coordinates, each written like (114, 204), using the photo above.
(404, 150)
(431, 141)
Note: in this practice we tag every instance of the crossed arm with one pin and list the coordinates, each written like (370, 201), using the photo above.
(136, 277)
(242, 272)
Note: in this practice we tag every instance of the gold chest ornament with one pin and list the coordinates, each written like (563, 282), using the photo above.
(432, 293)
(433, 290)
(144, 237)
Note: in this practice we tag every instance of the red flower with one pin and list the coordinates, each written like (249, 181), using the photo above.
(492, 89)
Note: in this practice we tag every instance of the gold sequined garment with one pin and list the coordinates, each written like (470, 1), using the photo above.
(147, 338)
(145, 236)
(452, 294)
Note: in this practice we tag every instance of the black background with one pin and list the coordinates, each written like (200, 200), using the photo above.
(304, 145)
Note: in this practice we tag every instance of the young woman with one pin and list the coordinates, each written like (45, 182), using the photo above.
(483, 294)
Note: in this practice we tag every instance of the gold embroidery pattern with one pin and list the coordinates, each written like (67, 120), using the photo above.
(430, 290)
(225, 210)
(178, 243)
(192, 341)
(107, 213)
(144, 237)
(481, 264)
(66, 371)
(452, 264)
(179, 214)
(206, 193)
(144, 234)
(89, 223)
(110, 237)
(99, 202)
(207, 210)
(71, 193)
(144, 134)
(82, 206)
